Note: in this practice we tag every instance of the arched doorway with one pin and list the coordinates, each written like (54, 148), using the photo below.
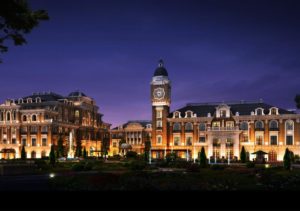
(272, 156)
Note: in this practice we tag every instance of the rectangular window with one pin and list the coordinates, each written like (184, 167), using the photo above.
(176, 141)
(158, 140)
(24, 129)
(13, 141)
(289, 140)
(188, 141)
(44, 129)
(259, 140)
(230, 124)
(33, 142)
(24, 141)
(44, 142)
(159, 124)
(216, 124)
(114, 144)
(273, 140)
(202, 139)
(159, 114)
(33, 129)
(223, 113)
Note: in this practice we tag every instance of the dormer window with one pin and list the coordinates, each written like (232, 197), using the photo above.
(8, 116)
(38, 100)
(33, 118)
(176, 114)
(29, 100)
(188, 114)
(259, 112)
(222, 113)
(273, 111)
(20, 101)
(148, 126)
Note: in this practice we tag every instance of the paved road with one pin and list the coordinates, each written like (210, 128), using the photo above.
(24, 183)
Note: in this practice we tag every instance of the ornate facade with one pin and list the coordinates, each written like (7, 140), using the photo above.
(221, 128)
(39, 120)
(134, 133)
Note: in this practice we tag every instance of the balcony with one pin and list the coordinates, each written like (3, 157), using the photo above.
(222, 128)
(274, 129)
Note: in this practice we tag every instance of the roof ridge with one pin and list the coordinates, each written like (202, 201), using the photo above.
(226, 102)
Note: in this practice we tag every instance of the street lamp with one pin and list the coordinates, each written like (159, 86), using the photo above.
(150, 155)
(194, 155)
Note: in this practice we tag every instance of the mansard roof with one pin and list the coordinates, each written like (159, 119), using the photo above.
(242, 107)
(45, 96)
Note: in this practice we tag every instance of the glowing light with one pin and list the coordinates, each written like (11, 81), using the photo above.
(52, 175)
(267, 165)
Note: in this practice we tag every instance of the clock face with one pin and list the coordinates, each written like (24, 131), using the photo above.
(159, 93)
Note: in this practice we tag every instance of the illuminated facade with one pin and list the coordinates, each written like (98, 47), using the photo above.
(39, 120)
(134, 133)
(221, 128)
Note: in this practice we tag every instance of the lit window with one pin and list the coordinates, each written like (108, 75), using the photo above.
(273, 111)
(158, 114)
(188, 141)
(189, 114)
(176, 141)
(159, 124)
(76, 113)
(202, 139)
(223, 113)
(44, 142)
(259, 112)
(259, 140)
(24, 141)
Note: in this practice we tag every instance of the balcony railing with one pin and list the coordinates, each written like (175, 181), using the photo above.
(222, 128)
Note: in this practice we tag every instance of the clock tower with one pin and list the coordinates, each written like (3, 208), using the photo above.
(161, 100)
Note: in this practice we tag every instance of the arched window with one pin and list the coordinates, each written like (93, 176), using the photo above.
(259, 125)
(38, 100)
(273, 111)
(273, 125)
(8, 116)
(188, 114)
(14, 115)
(188, 126)
(33, 118)
(76, 113)
(33, 154)
(176, 126)
(24, 118)
(202, 127)
(289, 125)
(176, 114)
(244, 126)
(29, 100)
(1, 116)
(259, 111)
(20, 101)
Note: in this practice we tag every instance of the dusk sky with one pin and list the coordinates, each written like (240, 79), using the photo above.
(214, 50)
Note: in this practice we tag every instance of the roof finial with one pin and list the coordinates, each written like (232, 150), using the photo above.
(160, 63)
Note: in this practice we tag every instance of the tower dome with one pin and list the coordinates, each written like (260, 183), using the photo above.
(77, 93)
(161, 70)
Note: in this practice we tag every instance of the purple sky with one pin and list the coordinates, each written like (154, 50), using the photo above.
(213, 50)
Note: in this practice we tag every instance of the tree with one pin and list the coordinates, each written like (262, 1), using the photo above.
(297, 100)
(60, 147)
(23, 153)
(243, 155)
(16, 20)
(84, 153)
(122, 141)
(287, 159)
(105, 146)
(52, 155)
(147, 149)
(203, 159)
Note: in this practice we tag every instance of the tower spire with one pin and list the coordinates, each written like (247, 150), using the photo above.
(160, 63)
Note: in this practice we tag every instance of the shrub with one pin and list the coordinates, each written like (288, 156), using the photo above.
(217, 167)
(78, 167)
(131, 154)
(193, 168)
(137, 165)
(250, 164)
(162, 163)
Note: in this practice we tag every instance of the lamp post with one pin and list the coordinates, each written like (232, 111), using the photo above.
(171, 147)
(165, 152)
(187, 154)
(228, 157)
(215, 155)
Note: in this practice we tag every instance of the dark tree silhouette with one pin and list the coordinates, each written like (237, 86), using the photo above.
(52, 155)
(17, 19)
(203, 159)
(23, 153)
(243, 155)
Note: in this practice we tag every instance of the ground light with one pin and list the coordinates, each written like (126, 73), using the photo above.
(52, 175)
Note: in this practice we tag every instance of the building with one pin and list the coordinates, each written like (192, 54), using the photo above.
(39, 120)
(134, 133)
(221, 128)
